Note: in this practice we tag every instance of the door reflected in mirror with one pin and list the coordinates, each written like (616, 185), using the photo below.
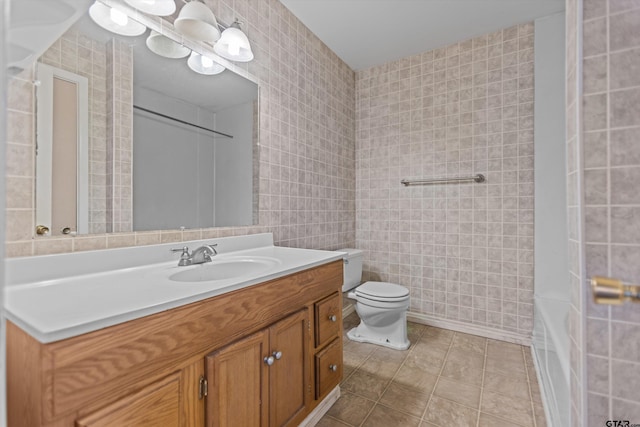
(62, 151)
(154, 146)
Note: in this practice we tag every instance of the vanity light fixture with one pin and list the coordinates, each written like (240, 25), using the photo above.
(115, 20)
(154, 7)
(234, 44)
(204, 65)
(164, 46)
(197, 22)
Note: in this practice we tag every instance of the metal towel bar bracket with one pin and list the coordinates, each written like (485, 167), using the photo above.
(476, 178)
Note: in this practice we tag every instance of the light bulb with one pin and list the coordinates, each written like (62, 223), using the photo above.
(118, 17)
(206, 61)
(234, 48)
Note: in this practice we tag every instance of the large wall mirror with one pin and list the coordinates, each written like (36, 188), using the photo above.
(132, 141)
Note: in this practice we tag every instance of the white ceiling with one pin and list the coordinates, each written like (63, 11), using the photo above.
(364, 33)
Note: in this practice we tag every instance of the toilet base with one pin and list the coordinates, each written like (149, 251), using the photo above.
(361, 334)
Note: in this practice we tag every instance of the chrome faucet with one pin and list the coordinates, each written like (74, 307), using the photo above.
(198, 256)
(203, 254)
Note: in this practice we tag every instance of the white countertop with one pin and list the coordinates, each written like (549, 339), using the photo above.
(61, 296)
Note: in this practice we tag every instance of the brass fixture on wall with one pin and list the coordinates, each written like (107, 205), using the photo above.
(607, 290)
(42, 230)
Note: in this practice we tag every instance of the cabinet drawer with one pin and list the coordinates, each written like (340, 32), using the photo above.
(328, 368)
(328, 316)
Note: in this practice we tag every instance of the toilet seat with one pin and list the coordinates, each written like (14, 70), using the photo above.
(382, 292)
(390, 305)
(381, 295)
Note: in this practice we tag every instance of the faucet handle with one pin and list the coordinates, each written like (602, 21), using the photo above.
(184, 250)
(213, 246)
(185, 257)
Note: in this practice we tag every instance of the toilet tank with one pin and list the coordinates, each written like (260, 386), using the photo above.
(352, 268)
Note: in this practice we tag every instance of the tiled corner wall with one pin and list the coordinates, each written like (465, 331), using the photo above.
(307, 144)
(464, 250)
(610, 145)
(574, 211)
(119, 137)
(20, 159)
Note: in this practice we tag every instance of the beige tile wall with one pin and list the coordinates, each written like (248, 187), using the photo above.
(307, 143)
(119, 137)
(611, 166)
(464, 250)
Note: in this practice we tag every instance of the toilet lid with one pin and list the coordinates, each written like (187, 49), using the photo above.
(380, 290)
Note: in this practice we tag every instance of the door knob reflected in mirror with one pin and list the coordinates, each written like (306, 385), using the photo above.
(42, 230)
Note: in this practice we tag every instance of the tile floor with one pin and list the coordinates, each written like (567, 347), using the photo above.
(444, 379)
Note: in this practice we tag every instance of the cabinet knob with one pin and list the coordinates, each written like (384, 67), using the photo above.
(333, 317)
(333, 368)
(269, 360)
(277, 355)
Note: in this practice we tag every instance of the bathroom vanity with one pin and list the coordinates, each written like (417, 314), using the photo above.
(261, 349)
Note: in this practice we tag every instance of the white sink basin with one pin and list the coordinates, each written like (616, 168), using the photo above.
(224, 269)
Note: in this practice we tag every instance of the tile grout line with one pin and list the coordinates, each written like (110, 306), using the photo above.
(354, 369)
(484, 371)
(435, 385)
(411, 349)
(526, 370)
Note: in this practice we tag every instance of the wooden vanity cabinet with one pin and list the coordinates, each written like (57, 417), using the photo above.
(191, 366)
(247, 388)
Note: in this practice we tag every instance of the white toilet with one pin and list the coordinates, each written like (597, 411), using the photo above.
(381, 306)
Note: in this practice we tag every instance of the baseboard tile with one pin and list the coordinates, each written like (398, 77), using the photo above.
(469, 329)
(314, 417)
(348, 310)
(543, 394)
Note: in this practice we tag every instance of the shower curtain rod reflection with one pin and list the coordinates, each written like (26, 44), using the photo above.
(136, 107)
(476, 178)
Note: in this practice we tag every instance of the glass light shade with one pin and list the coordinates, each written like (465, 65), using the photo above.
(102, 15)
(203, 65)
(197, 22)
(234, 45)
(154, 7)
(164, 46)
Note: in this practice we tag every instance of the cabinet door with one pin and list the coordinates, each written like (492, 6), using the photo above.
(237, 376)
(289, 374)
(155, 405)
